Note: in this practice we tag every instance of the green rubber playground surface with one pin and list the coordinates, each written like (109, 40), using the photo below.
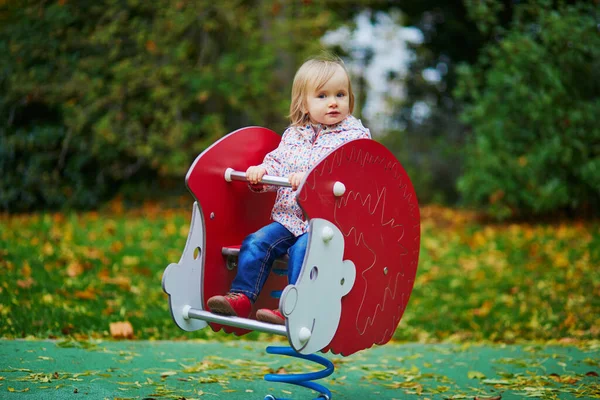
(235, 369)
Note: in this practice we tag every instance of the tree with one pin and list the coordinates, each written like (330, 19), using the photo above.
(94, 94)
(532, 101)
(431, 136)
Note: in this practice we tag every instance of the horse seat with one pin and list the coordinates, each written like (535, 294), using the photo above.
(232, 253)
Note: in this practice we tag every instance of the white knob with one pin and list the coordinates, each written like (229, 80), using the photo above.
(228, 172)
(339, 189)
(327, 234)
(304, 335)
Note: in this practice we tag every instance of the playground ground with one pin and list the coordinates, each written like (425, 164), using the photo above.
(44, 369)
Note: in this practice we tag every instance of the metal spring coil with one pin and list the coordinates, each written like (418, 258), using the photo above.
(302, 379)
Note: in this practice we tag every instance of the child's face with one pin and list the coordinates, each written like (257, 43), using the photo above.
(329, 104)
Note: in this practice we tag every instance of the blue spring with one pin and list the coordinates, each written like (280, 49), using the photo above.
(302, 379)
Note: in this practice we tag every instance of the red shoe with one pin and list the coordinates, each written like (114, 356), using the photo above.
(270, 316)
(232, 304)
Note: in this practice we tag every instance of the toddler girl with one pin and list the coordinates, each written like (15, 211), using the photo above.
(321, 121)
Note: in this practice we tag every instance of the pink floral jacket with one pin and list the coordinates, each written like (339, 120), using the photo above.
(301, 147)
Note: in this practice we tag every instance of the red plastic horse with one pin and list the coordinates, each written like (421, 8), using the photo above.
(363, 251)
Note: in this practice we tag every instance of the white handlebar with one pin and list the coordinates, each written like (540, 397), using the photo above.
(232, 175)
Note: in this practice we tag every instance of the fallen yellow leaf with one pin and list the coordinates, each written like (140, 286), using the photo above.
(121, 330)
(74, 269)
(26, 270)
(25, 283)
(87, 294)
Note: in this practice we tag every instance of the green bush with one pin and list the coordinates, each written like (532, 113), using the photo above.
(35, 170)
(94, 94)
(532, 101)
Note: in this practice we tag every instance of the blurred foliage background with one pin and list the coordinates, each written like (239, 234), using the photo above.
(105, 97)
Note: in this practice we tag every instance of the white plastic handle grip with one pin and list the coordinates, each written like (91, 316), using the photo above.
(233, 175)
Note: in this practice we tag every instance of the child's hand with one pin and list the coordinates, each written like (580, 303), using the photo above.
(295, 179)
(254, 174)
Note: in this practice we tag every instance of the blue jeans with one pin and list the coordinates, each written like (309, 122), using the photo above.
(258, 252)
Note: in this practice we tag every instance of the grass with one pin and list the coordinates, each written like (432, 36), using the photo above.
(71, 275)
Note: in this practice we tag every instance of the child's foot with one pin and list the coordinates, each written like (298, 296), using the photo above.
(270, 316)
(232, 304)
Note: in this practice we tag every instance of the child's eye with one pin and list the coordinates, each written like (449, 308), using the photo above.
(321, 96)
(341, 94)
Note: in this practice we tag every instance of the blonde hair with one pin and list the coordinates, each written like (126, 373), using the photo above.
(315, 72)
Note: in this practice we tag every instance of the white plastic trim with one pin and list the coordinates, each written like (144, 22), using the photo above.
(183, 281)
(310, 325)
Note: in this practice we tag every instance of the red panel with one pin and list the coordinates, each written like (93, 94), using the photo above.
(379, 216)
(236, 210)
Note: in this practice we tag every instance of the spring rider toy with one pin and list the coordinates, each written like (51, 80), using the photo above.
(360, 264)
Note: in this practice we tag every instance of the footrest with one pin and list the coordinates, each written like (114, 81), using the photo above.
(237, 322)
